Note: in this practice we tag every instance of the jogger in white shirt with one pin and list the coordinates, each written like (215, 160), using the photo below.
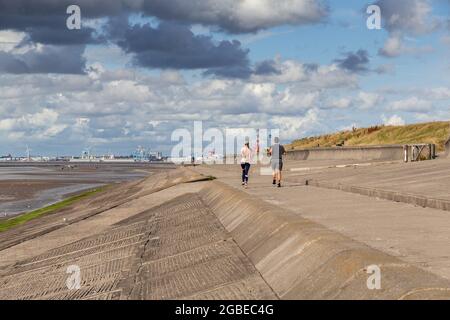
(246, 159)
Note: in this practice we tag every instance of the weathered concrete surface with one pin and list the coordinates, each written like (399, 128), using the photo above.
(178, 237)
(176, 250)
(414, 234)
(118, 197)
(423, 184)
(385, 153)
(301, 259)
(71, 232)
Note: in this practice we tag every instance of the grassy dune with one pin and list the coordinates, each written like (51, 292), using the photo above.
(23, 218)
(432, 132)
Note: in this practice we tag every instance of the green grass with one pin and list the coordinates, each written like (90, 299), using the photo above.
(23, 218)
(431, 132)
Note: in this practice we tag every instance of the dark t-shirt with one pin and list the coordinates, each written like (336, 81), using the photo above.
(278, 151)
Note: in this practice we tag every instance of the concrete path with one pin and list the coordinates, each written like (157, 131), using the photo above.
(426, 179)
(414, 234)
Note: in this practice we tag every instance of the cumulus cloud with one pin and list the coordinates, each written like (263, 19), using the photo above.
(233, 16)
(405, 18)
(412, 104)
(171, 45)
(408, 16)
(393, 120)
(41, 125)
(241, 16)
(354, 61)
(119, 107)
(395, 46)
(439, 93)
(44, 20)
(339, 103)
(44, 59)
(295, 127)
(368, 100)
(309, 75)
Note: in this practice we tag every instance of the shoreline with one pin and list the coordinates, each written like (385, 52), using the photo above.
(20, 219)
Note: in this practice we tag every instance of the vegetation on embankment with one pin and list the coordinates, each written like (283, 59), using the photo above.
(7, 224)
(431, 132)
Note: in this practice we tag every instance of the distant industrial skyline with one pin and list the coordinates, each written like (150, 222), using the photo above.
(138, 70)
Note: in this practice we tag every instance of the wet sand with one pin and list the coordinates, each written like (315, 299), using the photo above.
(26, 187)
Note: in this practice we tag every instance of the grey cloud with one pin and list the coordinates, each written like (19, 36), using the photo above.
(240, 72)
(239, 16)
(266, 67)
(90, 9)
(406, 17)
(229, 15)
(50, 59)
(45, 28)
(355, 61)
(409, 16)
(172, 45)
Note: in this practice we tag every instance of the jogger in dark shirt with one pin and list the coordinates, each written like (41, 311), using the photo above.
(277, 151)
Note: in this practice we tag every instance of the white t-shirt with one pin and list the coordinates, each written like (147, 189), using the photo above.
(246, 155)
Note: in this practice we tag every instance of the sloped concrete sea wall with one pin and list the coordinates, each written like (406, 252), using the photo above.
(301, 259)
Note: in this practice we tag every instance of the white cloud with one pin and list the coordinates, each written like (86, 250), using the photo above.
(254, 13)
(296, 127)
(394, 47)
(40, 125)
(412, 104)
(340, 103)
(440, 93)
(10, 39)
(393, 120)
(287, 71)
(403, 18)
(242, 16)
(367, 100)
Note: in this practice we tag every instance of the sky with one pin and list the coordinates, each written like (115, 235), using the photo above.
(137, 70)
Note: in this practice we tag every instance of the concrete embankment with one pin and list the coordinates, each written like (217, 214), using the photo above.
(386, 153)
(163, 243)
(177, 235)
(447, 148)
(301, 259)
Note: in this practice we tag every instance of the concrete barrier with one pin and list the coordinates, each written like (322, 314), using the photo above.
(447, 148)
(301, 259)
(386, 153)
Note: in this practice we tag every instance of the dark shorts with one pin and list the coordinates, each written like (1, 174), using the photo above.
(277, 165)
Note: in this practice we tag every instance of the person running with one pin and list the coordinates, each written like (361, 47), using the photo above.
(277, 152)
(246, 158)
